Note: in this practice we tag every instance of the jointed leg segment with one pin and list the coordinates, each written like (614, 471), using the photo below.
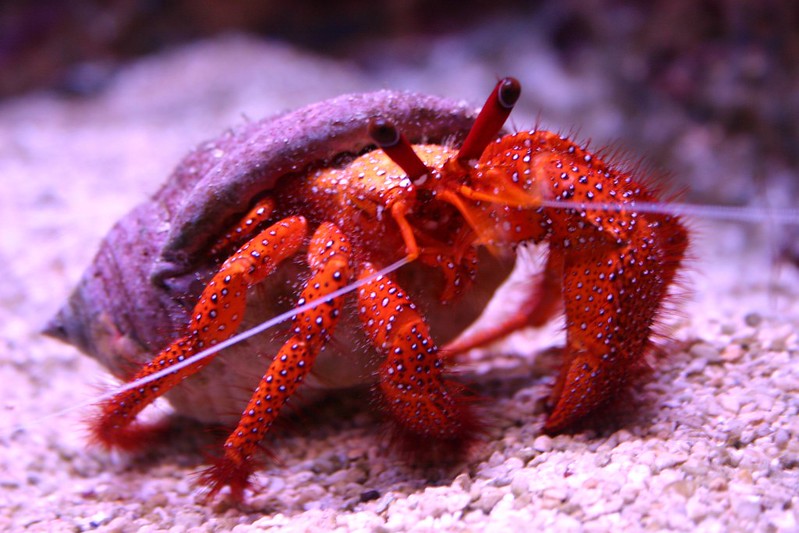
(215, 318)
(329, 259)
(417, 396)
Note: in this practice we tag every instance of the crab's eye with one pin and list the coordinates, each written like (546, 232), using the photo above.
(396, 146)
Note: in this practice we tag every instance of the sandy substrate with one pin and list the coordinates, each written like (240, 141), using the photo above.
(712, 444)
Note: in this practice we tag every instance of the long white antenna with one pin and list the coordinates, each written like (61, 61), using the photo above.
(263, 326)
(719, 212)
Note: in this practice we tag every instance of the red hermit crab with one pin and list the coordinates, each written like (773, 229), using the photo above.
(334, 192)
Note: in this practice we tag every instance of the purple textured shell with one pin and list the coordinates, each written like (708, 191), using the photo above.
(221, 176)
(143, 281)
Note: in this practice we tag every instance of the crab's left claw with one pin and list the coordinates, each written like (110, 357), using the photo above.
(612, 296)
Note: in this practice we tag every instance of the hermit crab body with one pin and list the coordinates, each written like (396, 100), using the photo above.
(326, 210)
